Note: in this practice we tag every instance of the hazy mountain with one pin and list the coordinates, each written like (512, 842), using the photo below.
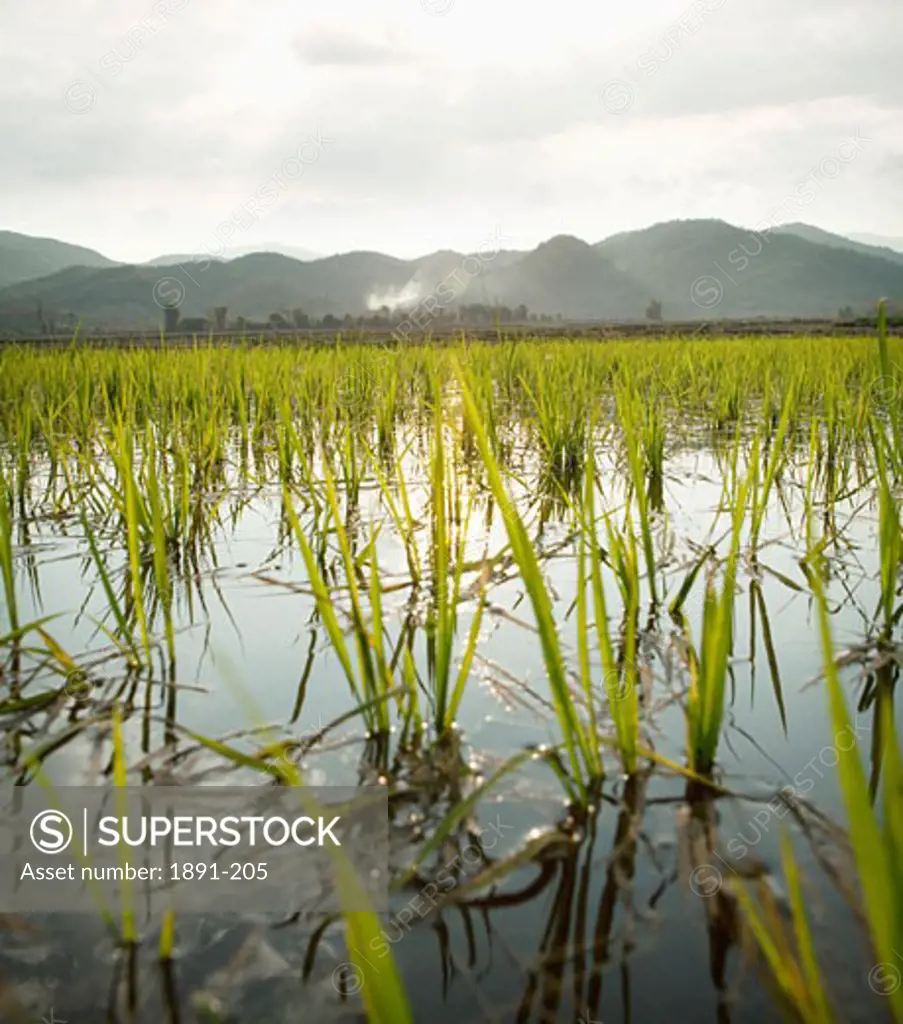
(696, 268)
(713, 269)
(252, 286)
(296, 252)
(23, 257)
(883, 241)
(171, 259)
(566, 275)
(235, 252)
(813, 234)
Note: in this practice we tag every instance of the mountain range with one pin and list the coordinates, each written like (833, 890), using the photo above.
(694, 268)
(295, 251)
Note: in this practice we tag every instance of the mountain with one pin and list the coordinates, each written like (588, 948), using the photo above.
(252, 286)
(813, 234)
(172, 259)
(566, 275)
(695, 268)
(23, 257)
(713, 269)
(563, 274)
(894, 242)
(293, 251)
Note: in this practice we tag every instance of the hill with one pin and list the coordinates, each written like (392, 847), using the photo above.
(253, 286)
(813, 234)
(23, 257)
(293, 251)
(893, 242)
(566, 275)
(713, 269)
(695, 268)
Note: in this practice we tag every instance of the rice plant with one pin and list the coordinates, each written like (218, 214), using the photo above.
(6, 555)
(876, 838)
(557, 496)
(709, 663)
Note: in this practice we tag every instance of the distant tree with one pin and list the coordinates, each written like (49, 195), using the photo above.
(219, 317)
(654, 310)
(846, 313)
(330, 322)
(520, 314)
(170, 319)
(278, 321)
(300, 319)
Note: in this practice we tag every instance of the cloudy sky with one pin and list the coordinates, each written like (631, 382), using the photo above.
(152, 126)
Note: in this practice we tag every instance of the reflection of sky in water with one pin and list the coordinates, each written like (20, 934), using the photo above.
(248, 651)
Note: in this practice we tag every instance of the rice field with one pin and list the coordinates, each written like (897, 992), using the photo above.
(617, 625)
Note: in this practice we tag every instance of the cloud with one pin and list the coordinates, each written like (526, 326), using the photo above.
(328, 46)
(443, 126)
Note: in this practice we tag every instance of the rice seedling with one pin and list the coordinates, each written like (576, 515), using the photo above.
(890, 543)
(876, 838)
(6, 555)
(635, 440)
(351, 509)
(371, 675)
(580, 747)
(760, 490)
(446, 588)
(710, 663)
(561, 428)
(619, 675)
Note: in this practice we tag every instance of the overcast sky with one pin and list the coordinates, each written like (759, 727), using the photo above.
(141, 127)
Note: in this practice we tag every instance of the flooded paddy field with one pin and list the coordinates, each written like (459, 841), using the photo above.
(615, 624)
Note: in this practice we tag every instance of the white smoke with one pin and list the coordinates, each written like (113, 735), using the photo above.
(403, 298)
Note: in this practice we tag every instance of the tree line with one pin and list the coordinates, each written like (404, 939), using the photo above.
(475, 314)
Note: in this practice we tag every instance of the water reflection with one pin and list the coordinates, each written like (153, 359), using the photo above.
(622, 910)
